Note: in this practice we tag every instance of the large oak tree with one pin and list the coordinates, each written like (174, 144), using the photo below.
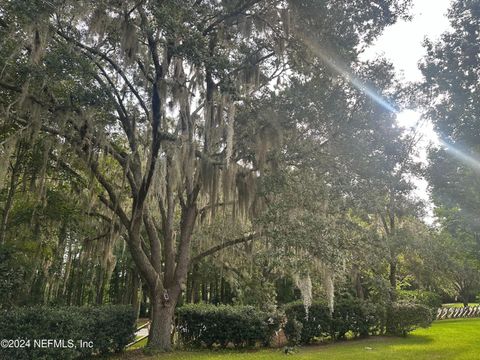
(144, 94)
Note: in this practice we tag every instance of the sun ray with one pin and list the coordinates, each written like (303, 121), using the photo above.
(471, 160)
(416, 122)
(337, 65)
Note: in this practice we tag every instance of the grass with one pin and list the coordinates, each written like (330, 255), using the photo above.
(458, 305)
(142, 321)
(446, 339)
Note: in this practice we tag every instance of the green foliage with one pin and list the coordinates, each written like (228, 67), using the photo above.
(452, 83)
(286, 291)
(86, 80)
(293, 330)
(427, 298)
(256, 290)
(404, 317)
(450, 258)
(316, 324)
(360, 318)
(113, 326)
(110, 328)
(208, 325)
(11, 273)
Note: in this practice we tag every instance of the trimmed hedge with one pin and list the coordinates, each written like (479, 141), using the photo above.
(109, 328)
(208, 325)
(301, 329)
(404, 317)
(358, 317)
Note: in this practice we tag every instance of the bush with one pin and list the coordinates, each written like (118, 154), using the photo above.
(113, 328)
(375, 319)
(316, 324)
(404, 317)
(208, 325)
(11, 276)
(358, 317)
(293, 331)
(347, 316)
(109, 328)
(427, 298)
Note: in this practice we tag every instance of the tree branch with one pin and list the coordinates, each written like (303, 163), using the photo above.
(221, 246)
(112, 63)
(234, 13)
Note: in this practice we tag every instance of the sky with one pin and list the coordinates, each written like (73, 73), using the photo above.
(401, 44)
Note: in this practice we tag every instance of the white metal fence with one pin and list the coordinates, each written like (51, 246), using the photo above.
(459, 312)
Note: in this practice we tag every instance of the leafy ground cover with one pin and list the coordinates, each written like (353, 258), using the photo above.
(447, 339)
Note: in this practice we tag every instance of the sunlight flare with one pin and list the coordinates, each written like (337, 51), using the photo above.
(470, 160)
(337, 65)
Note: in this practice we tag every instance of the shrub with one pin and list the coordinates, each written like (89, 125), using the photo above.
(113, 328)
(404, 317)
(293, 331)
(110, 328)
(316, 324)
(208, 325)
(427, 298)
(11, 276)
(347, 316)
(375, 319)
(359, 317)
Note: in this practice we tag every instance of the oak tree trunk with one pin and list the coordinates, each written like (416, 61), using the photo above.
(160, 336)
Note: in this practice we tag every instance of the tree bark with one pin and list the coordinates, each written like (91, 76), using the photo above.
(358, 285)
(165, 296)
(136, 293)
(393, 279)
(393, 295)
(9, 201)
(163, 312)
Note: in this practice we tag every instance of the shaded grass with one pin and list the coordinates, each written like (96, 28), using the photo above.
(139, 345)
(447, 339)
(142, 321)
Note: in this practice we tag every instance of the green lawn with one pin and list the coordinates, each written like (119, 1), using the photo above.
(458, 305)
(446, 339)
